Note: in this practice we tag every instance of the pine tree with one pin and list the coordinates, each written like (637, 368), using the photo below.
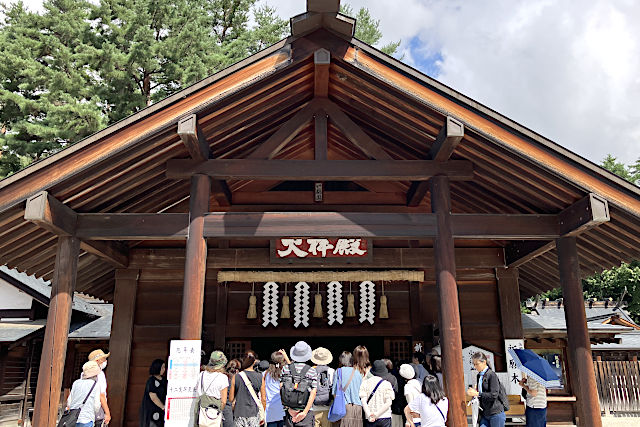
(368, 28)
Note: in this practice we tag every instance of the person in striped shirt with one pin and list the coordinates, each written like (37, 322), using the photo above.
(536, 411)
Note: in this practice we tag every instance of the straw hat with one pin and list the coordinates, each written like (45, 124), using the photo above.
(98, 354)
(301, 352)
(407, 372)
(90, 369)
(321, 356)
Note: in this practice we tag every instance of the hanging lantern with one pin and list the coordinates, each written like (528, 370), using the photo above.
(252, 313)
(384, 312)
(285, 314)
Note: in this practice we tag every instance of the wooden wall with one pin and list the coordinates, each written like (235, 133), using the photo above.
(159, 299)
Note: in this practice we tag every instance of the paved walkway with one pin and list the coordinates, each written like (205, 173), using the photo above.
(620, 421)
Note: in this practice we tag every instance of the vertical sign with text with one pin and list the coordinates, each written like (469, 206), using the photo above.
(183, 370)
(512, 368)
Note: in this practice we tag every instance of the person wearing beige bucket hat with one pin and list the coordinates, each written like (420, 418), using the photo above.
(84, 397)
(321, 358)
(100, 357)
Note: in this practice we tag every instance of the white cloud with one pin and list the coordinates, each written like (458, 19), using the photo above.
(569, 70)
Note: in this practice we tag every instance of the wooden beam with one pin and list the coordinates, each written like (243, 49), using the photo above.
(196, 260)
(450, 135)
(509, 294)
(222, 302)
(416, 193)
(174, 226)
(321, 142)
(323, 6)
(421, 258)
(321, 170)
(286, 132)
(321, 60)
(588, 212)
(354, 132)
(579, 347)
(192, 138)
(449, 309)
(124, 305)
(56, 333)
(49, 213)
(221, 192)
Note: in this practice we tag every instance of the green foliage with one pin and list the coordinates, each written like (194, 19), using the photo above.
(368, 28)
(631, 172)
(611, 284)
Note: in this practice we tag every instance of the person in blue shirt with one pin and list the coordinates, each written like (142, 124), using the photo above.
(351, 381)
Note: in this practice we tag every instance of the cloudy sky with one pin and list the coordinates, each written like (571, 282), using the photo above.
(567, 69)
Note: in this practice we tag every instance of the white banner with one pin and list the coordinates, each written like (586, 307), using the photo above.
(182, 376)
(512, 370)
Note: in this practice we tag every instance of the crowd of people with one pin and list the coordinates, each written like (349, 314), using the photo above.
(299, 388)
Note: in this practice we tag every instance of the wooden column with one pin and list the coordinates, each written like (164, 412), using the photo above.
(509, 294)
(124, 305)
(221, 316)
(56, 334)
(450, 330)
(196, 260)
(579, 347)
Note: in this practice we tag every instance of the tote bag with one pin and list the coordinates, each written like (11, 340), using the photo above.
(338, 408)
(70, 418)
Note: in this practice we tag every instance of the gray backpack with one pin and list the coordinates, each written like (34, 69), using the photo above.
(323, 395)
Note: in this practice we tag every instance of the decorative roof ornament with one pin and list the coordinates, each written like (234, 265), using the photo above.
(322, 14)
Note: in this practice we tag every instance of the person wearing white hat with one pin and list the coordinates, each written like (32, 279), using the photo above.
(299, 380)
(104, 415)
(85, 395)
(411, 389)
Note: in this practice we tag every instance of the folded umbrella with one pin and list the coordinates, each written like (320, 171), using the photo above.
(536, 367)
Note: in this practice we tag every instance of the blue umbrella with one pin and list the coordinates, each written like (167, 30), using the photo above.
(536, 367)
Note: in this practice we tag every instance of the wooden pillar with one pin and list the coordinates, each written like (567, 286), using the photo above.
(450, 330)
(509, 294)
(56, 333)
(579, 347)
(124, 305)
(221, 316)
(196, 260)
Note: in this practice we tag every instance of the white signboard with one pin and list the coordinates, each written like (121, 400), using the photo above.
(469, 372)
(183, 371)
(512, 370)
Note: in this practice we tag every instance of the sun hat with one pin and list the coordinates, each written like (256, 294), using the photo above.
(407, 372)
(321, 356)
(217, 360)
(379, 368)
(90, 369)
(301, 352)
(97, 354)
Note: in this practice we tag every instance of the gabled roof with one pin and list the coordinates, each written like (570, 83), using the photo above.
(122, 168)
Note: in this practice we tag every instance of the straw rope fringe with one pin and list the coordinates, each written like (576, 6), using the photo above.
(320, 276)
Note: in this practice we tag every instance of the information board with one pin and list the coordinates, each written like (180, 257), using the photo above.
(183, 371)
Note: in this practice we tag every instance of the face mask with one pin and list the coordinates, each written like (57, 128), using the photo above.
(103, 365)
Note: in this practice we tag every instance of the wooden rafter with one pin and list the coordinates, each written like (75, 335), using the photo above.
(331, 224)
(588, 212)
(49, 213)
(320, 141)
(286, 133)
(319, 170)
(198, 149)
(448, 138)
(322, 61)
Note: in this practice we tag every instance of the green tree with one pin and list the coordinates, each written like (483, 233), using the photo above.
(368, 28)
(612, 283)
(631, 172)
(47, 87)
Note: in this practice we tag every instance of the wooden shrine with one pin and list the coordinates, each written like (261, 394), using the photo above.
(319, 136)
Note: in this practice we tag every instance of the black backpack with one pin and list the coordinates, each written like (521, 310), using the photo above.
(502, 396)
(295, 388)
(323, 395)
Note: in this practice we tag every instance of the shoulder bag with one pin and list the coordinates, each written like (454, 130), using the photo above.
(338, 408)
(209, 410)
(252, 392)
(70, 417)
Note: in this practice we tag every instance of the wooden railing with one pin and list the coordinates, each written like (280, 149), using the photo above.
(618, 386)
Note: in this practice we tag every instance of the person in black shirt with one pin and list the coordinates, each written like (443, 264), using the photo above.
(155, 392)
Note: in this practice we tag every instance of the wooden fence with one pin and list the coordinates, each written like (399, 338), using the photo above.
(618, 386)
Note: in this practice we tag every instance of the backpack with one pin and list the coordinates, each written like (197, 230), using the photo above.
(295, 388)
(323, 395)
(502, 396)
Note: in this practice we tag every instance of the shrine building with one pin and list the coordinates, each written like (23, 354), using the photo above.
(326, 173)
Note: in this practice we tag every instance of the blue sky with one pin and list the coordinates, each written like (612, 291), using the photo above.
(567, 69)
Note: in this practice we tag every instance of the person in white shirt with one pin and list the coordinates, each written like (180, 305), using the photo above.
(411, 389)
(377, 395)
(86, 388)
(431, 404)
(104, 415)
(536, 411)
